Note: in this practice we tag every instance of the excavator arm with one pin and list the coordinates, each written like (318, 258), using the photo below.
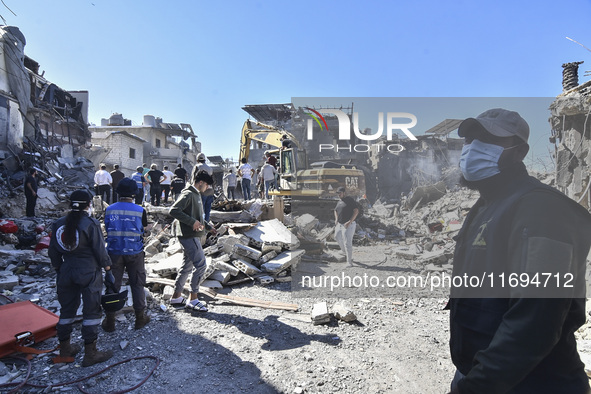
(269, 135)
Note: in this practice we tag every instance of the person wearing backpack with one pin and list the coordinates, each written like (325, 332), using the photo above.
(345, 214)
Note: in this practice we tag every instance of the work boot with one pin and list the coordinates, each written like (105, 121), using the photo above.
(109, 323)
(93, 356)
(141, 319)
(68, 350)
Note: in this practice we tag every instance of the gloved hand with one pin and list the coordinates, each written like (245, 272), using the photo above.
(110, 282)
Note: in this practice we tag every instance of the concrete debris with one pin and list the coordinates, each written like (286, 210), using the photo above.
(343, 312)
(320, 314)
(283, 261)
(273, 232)
(246, 251)
(246, 267)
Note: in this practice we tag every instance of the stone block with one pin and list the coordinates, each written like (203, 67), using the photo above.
(223, 266)
(246, 267)
(306, 222)
(269, 256)
(265, 279)
(228, 241)
(320, 313)
(167, 293)
(212, 284)
(168, 266)
(343, 312)
(247, 251)
(221, 276)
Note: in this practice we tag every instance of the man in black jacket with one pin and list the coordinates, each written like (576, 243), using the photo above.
(527, 243)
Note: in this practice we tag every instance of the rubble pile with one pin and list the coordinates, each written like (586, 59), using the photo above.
(263, 252)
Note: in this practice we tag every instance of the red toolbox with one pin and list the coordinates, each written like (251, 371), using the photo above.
(23, 324)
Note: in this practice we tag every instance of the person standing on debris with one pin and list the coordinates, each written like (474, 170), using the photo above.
(177, 184)
(125, 222)
(268, 176)
(140, 181)
(155, 177)
(517, 339)
(31, 192)
(245, 171)
(181, 172)
(167, 182)
(145, 170)
(345, 214)
(103, 180)
(208, 195)
(116, 176)
(77, 252)
(232, 180)
(285, 142)
(189, 225)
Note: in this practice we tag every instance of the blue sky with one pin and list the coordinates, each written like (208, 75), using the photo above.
(199, 62)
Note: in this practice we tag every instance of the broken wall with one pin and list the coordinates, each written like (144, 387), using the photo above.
(571, 132)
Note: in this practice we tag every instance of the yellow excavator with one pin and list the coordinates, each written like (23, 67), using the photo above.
(297, 180)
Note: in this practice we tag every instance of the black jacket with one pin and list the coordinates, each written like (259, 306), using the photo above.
(521, 343)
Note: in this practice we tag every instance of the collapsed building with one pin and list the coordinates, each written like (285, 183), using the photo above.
(34, 112)
(571, 135)
(389, 174)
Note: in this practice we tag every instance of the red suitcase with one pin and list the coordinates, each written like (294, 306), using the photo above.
(23, 324)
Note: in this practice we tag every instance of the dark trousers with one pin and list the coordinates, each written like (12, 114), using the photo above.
(115, 196)
(71, 283)
(105, 192)
(136, 270)
(155, 193)
(31, 202)
(166, 189)
(139, 196)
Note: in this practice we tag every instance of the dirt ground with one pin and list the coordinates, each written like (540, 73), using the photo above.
(396, 345)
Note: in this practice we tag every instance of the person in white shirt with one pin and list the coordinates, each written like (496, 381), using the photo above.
(245, 171)
(166, 183)
(232, 180)
(102, 182)
(268, 174)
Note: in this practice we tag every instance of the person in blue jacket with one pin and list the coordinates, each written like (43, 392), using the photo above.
(125, 222)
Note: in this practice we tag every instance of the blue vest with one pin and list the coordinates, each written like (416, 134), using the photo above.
(123, 222)
(137, 177)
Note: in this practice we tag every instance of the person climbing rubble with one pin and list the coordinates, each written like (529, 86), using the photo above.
(125, 222)
(189, 225)
(77, 252)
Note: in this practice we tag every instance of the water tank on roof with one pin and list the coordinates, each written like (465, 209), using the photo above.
(104, 122)
(116, 120)
(149, 120)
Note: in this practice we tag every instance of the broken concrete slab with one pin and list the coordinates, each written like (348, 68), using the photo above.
(246, 267)
(8, 281)
(306, 222)
(167, 293)
(343, 312)
(283, 261)
(168, 266)
(221, 276)
(320, 314)
(212, 284)
(247, 251)
(228, 241)
(269, 256)
(272, 231)
(223, 266)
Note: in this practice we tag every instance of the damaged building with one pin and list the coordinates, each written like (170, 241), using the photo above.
(154, 141)
(571, 135)
(34, 111)
(432, 159)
